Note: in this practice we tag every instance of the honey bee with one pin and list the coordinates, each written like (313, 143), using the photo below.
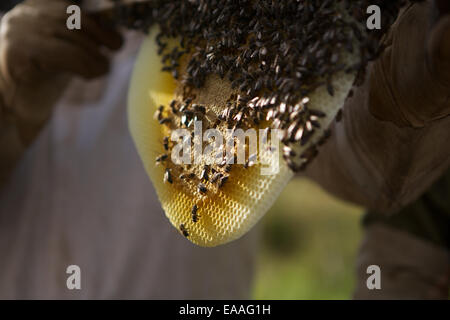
(194, 213)
(173, 106)
(165, 121)
(162, 158)
(158, 113)
(183, 230)
(202, 188)
(222, 181)
(166, 143)
(168, 176)
(204, 175)
(199, 109)
(216, 177)
(191, 175)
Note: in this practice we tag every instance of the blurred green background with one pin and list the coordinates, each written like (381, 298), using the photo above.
(309, 244)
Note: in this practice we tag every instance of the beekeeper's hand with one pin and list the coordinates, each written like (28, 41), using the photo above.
(37, 55)
(410, 83)
(393, 140)
(36, 47)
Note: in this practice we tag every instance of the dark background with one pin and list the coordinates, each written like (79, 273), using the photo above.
(6, 5)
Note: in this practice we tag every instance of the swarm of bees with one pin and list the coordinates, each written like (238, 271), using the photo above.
(204, 179)
(274, 54)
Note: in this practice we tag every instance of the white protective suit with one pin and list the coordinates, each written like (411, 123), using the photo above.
(80, 196)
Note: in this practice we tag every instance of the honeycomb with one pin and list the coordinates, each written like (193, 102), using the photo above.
(227, 213)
